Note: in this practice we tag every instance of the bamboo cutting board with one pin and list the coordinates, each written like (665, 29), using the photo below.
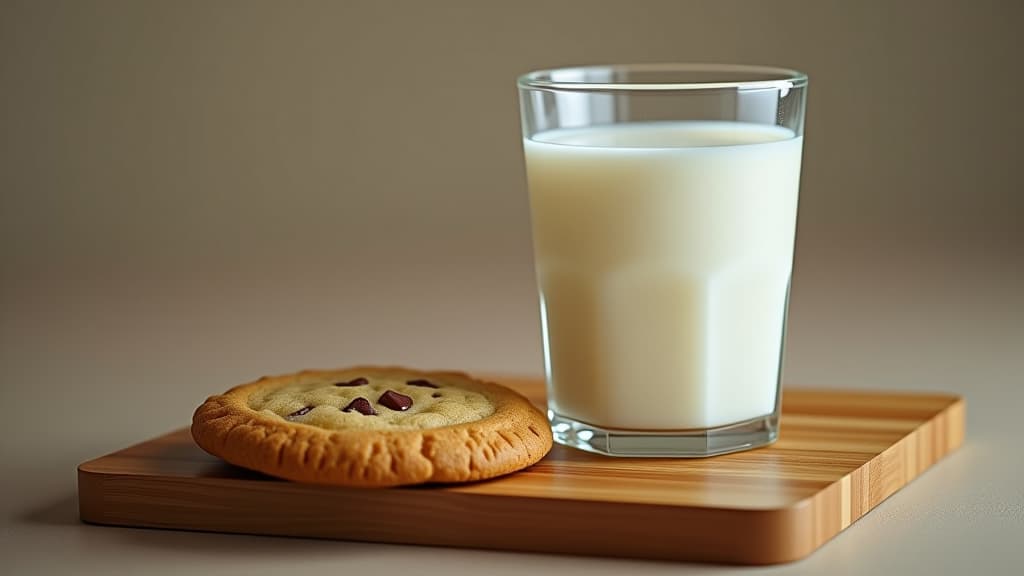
(839, 454)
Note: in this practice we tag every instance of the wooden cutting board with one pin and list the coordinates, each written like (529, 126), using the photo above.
(838, 456)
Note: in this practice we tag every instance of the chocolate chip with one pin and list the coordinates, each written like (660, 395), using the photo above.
(435, 395)
(395, 401)
(422, 383)
(356, 382)
(361, 405)
(301, 412)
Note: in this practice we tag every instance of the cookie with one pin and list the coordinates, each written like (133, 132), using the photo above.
(373, 426)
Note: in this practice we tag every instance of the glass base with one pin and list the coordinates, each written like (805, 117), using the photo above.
(744, 435)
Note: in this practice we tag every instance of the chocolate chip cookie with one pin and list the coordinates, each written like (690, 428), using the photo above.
(373, 426)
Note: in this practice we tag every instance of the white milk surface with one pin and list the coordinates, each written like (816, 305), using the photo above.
(664, 254)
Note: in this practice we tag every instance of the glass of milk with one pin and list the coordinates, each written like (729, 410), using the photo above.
(664, 205)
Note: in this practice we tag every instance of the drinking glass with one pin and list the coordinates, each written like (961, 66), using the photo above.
(663, 203)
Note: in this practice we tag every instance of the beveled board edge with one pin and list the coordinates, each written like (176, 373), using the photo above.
(860, 491)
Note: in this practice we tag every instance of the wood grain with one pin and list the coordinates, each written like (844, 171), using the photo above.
(839, 454)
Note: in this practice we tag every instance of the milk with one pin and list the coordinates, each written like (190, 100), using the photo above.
(663, 256)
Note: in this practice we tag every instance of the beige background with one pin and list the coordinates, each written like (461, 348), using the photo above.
(196, 193)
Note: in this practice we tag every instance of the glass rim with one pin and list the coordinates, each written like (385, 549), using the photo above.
(772, 77)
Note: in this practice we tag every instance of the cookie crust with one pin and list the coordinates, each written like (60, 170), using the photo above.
(514, 436)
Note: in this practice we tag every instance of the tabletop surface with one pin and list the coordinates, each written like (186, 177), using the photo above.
(82, 393)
